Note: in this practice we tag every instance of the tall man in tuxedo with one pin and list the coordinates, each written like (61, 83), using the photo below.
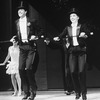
(28, 32)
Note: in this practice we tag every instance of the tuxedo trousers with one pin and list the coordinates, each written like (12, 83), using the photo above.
(68, 86)
(77, 66)
(26, 59)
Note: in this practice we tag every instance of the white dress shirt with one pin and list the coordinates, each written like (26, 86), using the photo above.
(74, 37)
(23, 29)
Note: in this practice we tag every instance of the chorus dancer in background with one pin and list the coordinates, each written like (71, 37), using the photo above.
(13, 66)
(76, 35)
(61, 44)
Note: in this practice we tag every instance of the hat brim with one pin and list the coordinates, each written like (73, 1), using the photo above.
(21, 8)
(73, 10)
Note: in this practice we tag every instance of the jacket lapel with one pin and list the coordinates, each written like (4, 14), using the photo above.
(18, 29)
(70, 30)
(28, 29)
(78, 29)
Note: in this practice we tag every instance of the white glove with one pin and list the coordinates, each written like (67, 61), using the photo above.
(82, 34)
(33, 37)
(56, 39)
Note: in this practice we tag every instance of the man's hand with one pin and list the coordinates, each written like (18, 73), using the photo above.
(67, 45)
(56, 39)
(33, 37)
(91, 33)
(82, 34)
(47, 41)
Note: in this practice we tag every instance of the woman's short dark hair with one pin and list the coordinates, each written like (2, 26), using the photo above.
(15, 38)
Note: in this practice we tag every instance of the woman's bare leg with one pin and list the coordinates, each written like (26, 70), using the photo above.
(19, 84)
(13, 79)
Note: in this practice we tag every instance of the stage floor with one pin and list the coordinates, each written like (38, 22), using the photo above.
(92, 94)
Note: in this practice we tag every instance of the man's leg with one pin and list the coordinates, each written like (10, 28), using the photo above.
(30, 74)
(74, 73)
(22, 72)
(82, 74)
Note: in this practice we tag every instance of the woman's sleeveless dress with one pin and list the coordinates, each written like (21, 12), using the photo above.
(12, 67)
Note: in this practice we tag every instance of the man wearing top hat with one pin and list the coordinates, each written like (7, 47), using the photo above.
(28, 32)
(75, 35)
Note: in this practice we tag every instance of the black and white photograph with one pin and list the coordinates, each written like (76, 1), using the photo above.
(50, 50)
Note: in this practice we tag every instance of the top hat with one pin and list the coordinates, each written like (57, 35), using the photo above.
(73, 10)
(22, 6)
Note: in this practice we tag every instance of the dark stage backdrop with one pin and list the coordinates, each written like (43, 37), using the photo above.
(49, 74)
(5, 34)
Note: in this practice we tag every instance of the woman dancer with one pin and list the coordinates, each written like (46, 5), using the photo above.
(12, 67)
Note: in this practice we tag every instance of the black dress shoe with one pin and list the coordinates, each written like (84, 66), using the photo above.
(84, 97)
(26, 95)
(32, 96)
(77, 96)
(69, 93)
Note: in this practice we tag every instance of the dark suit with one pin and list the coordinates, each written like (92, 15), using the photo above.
(27, 55)
(68, 85)
(77, 57)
